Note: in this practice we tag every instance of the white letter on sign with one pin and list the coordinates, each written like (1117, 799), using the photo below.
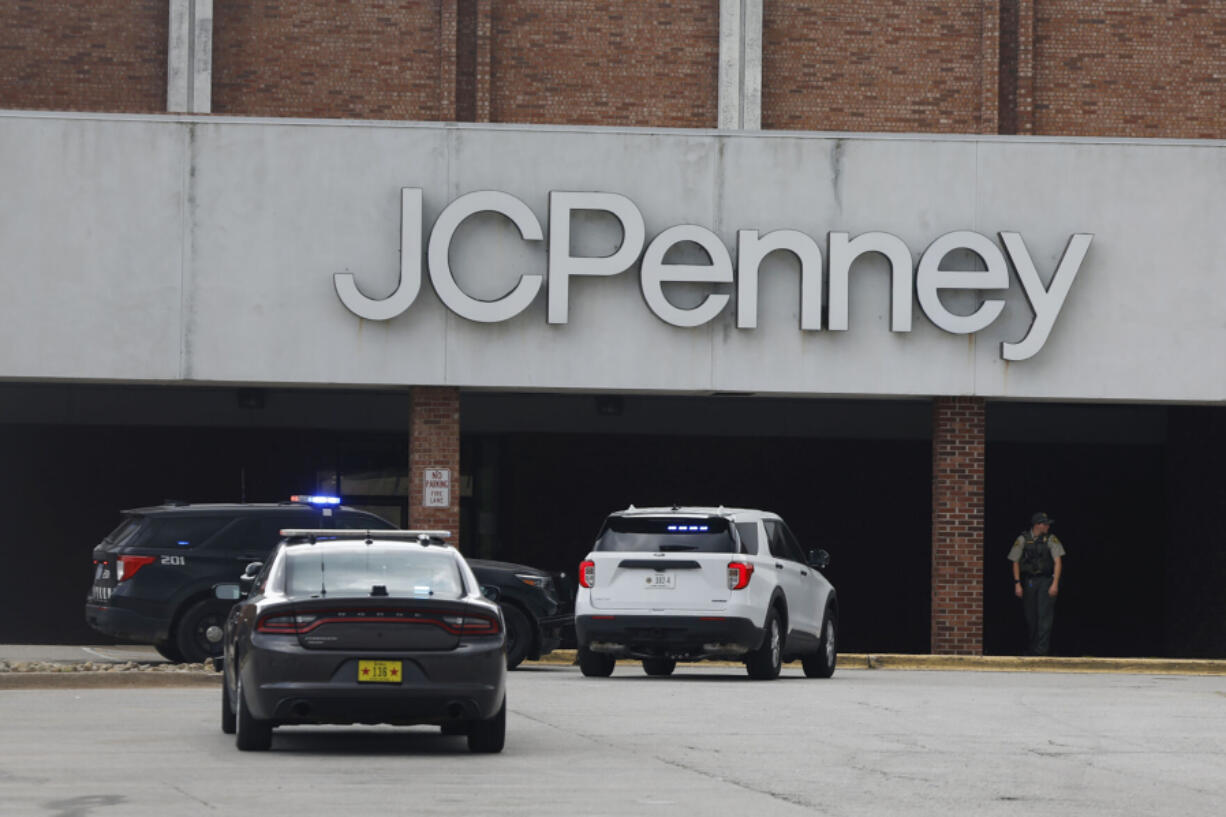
(410, 268)
(930, 279)
(481, 201)
(656, 273)
(562, 264)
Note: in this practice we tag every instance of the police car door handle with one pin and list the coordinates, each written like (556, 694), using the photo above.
(804, 573)
(778, 566)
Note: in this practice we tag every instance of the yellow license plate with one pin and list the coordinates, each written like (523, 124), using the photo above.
(379, 672)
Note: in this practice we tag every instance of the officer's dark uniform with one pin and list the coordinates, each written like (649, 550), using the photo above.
(1036, 561)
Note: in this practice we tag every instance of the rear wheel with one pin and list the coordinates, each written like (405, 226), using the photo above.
(821, 663)
(252, 734)
(193, 630)
(595, 664)
(765, 662)
(659, 666)
(489, 736)
(519, 635)
(228, 719)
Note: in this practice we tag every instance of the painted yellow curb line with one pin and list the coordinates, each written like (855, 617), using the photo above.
(990, 663)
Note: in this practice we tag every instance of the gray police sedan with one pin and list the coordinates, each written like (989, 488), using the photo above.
(356, 626)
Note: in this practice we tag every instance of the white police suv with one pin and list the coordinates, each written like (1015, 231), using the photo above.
(689, 583)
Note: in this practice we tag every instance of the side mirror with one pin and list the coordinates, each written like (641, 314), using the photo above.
(490, 592)
(819, 559)
(227, 592)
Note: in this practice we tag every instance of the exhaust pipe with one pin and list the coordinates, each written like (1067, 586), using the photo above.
(455, 710)
(301, 709)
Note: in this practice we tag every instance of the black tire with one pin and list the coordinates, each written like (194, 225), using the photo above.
(488, 736)
(765, 662)
(169, 652)
(595, 664)
(228, 719)
(251, 733)
(190, 640)
(659, 666)
(821, 663)
(519, 635)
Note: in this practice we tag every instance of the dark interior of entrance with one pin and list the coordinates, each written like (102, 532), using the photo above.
(1138, 492)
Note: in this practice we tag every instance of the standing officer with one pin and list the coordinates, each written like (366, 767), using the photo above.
(1038, 560)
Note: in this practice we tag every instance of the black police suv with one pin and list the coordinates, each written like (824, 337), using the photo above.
(154, 574)
(537, 607)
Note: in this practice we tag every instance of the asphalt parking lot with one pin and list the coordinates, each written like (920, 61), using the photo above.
(705, 741)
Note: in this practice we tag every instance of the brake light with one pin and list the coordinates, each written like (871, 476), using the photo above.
(587, 573)
(479, 625)
(303, 623)
(739, 574)
(285, 624)
(126, 566)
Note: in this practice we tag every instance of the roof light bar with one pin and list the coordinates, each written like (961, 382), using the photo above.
(364, 533)
(316, 499)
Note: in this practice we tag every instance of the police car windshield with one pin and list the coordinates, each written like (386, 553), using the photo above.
(356, 569)
(665, 534)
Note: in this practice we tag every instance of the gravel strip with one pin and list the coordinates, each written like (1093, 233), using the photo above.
(103, 666)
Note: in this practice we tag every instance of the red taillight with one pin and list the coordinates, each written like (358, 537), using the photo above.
(739, 574)
(587, 573)
(285, 624)
(127, 566)
(479, 625)
(302, 623)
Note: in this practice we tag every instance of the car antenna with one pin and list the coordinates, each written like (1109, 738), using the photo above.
(323, 589)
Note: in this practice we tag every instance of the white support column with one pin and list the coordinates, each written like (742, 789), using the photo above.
(189, 83)
(740, 64)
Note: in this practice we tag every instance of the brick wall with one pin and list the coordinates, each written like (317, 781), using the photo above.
(958, 425)
(880, 65)
(605, 62)
(434, 442)
(105, 55)
(373, 59)
(1130, 68)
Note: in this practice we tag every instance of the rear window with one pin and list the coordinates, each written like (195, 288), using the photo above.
(126, 530)
(358, 569)
(664, 534)
(168, 532)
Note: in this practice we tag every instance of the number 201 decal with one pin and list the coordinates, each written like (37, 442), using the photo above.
(174, 560)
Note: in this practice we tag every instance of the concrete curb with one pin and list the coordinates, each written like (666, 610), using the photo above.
(151, 679)
(991, 663)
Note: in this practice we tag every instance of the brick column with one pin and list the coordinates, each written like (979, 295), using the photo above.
(957, 525)
(434, 442)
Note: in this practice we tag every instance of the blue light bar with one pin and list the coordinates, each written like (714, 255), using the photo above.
(688, 528)
(316, 500)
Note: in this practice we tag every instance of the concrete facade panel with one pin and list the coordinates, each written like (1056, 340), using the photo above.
(272, 209)
(91, 238)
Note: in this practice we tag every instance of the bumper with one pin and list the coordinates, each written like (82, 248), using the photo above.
(289, 684)
(554, 630)
(639, 636)
(121, 623)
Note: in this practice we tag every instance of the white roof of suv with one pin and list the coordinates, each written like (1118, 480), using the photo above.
(734, 514)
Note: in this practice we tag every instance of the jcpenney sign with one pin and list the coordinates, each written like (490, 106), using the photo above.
(910, 280)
